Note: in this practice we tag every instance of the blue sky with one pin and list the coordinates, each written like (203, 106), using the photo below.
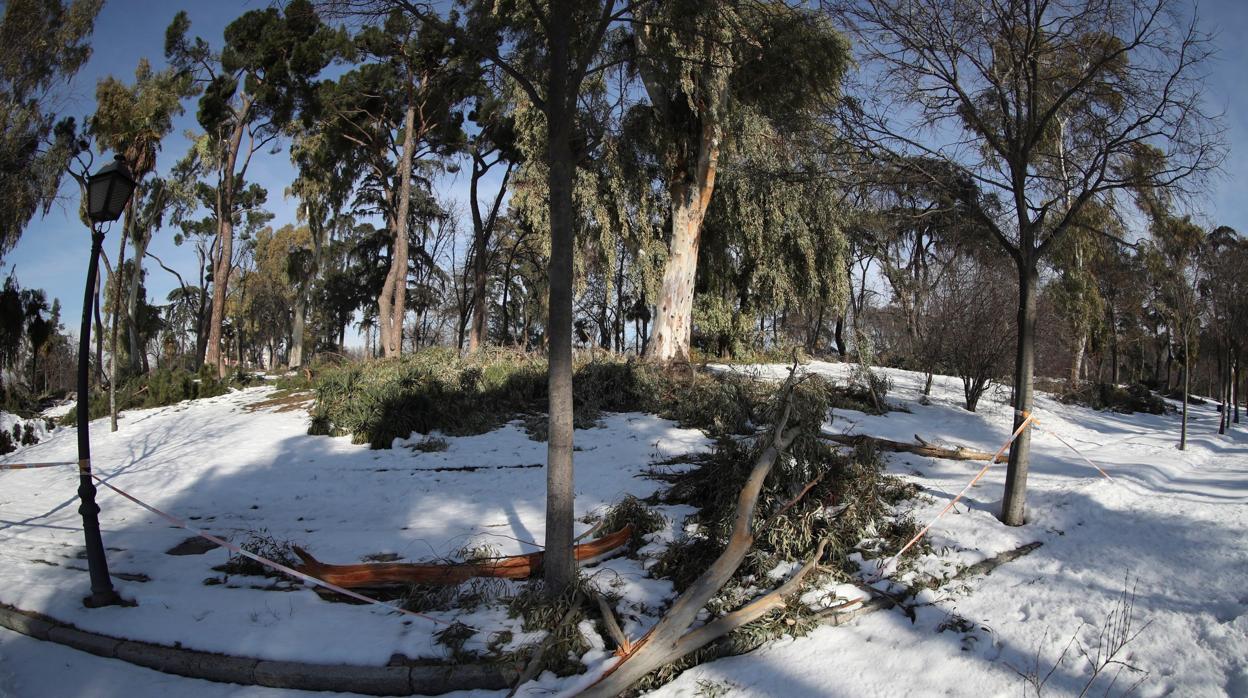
(52, 254)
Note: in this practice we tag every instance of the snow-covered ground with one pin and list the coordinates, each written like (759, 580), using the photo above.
(1171, 525)
(234, 471)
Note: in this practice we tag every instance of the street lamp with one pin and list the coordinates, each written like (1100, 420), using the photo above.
(108, 191)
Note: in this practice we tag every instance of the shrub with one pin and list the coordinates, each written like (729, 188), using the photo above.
(378, 401)
(156, 389)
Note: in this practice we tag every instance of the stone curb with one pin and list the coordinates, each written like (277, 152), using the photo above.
(417, 679)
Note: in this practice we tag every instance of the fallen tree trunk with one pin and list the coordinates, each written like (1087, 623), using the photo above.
(382, 574)
(920, 447)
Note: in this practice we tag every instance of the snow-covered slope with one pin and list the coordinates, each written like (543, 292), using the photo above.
(1172, 525)
(234, 471)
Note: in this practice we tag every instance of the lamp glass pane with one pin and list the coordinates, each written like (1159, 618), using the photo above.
(97, 195)
(119, 194)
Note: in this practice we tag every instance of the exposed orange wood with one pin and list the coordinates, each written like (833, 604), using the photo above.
(379, 574)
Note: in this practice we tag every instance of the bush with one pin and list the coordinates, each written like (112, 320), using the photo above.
(156, 389)
(436, 390)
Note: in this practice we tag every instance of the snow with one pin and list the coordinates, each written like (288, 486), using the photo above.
(39, 427)
(1172, 525)
(233, 471)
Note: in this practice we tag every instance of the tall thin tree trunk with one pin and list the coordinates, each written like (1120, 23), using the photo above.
(1235, 385)
(225, 250)
(559, 563)
(393, 305)
(115, 377)
(1013, 507)
(296, 331)
(1187, 378)
(138, 357)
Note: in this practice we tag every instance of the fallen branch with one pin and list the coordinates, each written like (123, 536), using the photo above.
(670, 639)
(381, 574)
(622, 644)
(921, 448)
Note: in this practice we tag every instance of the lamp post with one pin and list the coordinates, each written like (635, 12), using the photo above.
(108, 191)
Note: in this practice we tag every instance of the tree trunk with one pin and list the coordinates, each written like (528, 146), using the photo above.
(839, 336)
(483, 229)
(1013, 507)
(137, 353)
(296, 331)
(225, 248)
(1076, 363)
(559, 565)
(392, 304)
(115, 377)
(1234, 390)
(674, 321)
(1187, 378)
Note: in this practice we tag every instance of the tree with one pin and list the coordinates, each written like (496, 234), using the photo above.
(1057, 100)
(1225, 291)
(494, 144)
(389, 118)
(132, 121)
(700, 62)
(43, 43)
(256, 86)
(550, 50)
(1175, 265)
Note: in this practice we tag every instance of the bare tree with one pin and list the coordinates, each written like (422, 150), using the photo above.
(1046, 105)
(971, 312)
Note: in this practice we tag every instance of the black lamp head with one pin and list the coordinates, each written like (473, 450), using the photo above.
(108, 191)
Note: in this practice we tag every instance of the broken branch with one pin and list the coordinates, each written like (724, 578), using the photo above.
(921, 448)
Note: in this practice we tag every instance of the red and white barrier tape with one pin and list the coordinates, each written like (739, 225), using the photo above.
(1030, 419)
(264, 561)
(1078, 453)
(29, 466)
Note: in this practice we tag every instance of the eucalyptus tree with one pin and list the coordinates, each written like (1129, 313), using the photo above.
(1178, 270)
(773, 239)
(43, 44)
(1046, 105)
(702, 61)
(132, 121)
(254, 87)
(323, 188)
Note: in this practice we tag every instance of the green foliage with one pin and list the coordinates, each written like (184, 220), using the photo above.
(159, 388)
(721, 329)
(435, 389)
(848, 502)
(43, 43)
(559, 617)
(626, 512)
